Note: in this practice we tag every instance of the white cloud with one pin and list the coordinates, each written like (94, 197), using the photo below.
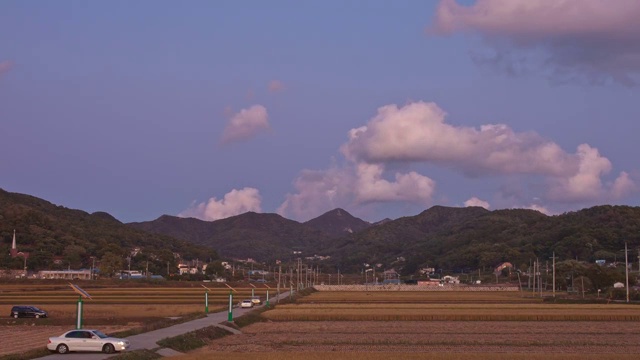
(593, 39)
(372, 187)
(276, 86)
(319, 191)
(585, 184)
(246, 124)
(235, 202)
(536, 207)
(353, 186)
(474, 201)
(5, 66)
(417, 134)
(623, 186)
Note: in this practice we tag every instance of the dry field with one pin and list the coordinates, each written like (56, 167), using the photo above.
(411, 337)
(417, 297)
(21, 338)
(110, 309)
(387, 325)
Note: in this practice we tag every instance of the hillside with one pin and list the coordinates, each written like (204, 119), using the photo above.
(452, 239)
(338, 222)
(51, 233)
(262, 237)
(470, 238)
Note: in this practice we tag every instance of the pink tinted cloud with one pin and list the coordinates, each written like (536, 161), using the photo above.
(246, 124)
(5, 66)
(276, 86)
(474, 201)
(354, 186)
(235, 202)
(595, 39)
(418, 133)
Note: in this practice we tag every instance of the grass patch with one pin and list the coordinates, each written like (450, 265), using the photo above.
(144, 354)
(194, 339)
(31, 354)
(252, 317)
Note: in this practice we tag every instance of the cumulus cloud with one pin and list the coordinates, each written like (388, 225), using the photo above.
(586, 183)
(474, 201)
(235, 202)
(317, 191)
(5, 66)
(371, 186)
(276, 86)
(590, 39)
(623, 186)
(535, 207)
(353, 186)
(246, 124)
(417, 134)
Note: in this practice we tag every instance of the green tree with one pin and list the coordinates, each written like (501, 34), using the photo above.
(215, 268)
(109, 264)
(73, 255)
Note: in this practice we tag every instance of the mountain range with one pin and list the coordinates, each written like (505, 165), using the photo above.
(441, 237)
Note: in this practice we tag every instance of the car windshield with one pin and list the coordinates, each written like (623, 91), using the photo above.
(100, 334)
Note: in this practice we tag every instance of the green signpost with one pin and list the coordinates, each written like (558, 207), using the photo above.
(230, 315)
(80, 303)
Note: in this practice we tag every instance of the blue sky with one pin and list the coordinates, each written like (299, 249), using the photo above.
(383, 108)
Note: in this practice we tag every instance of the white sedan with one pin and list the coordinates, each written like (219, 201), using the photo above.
(86, 340)
(246, 303)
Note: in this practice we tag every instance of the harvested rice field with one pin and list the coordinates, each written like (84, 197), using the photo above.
(334, 325)
(434, 337)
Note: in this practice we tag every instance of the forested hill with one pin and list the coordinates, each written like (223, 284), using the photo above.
(48, 232)
(441, 237)
(262, 237)
(471, 238)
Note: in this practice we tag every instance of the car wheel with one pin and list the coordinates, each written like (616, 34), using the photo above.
(37, 316)
(62, 349)
(108, 349)
(15, 316)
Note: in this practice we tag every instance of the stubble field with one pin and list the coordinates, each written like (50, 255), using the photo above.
(370, 325)
(112, 308)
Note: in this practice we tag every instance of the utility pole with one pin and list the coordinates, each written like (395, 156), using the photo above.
(533, 287)
(626, 269)
(554, 274)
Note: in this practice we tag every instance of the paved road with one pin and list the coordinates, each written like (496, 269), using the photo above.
(149, 340)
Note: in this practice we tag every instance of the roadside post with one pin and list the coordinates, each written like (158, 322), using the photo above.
(267, 302)
(230, 315)
(253, 290)
(206, 300)
(80, 303)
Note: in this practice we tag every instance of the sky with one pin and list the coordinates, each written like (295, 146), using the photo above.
(210, 109)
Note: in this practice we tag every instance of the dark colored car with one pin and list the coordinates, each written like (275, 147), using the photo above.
(27, 311)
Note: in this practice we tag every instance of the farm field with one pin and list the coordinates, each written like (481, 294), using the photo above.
(395, 325)
(111, 309)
